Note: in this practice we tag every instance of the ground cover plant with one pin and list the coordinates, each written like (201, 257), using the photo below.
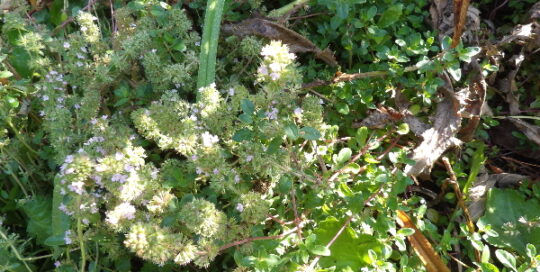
(220, 135)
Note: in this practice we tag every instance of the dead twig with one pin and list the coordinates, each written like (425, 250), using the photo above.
(461, 201)
(251, 239)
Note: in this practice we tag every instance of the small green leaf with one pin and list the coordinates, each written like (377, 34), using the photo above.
(179, 46)
(12, 101)
(531, 251)
(352, 167)
(361, 136)
(446, 43)
(405, 232)
(247, 106)
(506, 258)
(403, 129)
(310, 133)
(5, 74)
(469, 52)
(242, 135)
(343, 156)
(455, 71)
(342, 108)
(320, 250)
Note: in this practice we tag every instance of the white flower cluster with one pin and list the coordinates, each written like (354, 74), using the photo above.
(276, 60)
(120, 212)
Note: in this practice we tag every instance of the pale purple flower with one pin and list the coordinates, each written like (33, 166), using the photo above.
(275, 76)
(67, 239)
(45, 97)
(57, 264)
(77, 187)
(216, 171)
(240, 207)
(231, 92)
(69, 159)
(236, 178)
(249, 158)
(298, 111)
(263, 70)
(66, 45)
(272, 115)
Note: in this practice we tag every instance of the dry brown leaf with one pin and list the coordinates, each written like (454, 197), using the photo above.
(431, 260)
(477, 193)
(439, 138)
(531, 131)
(270, 30)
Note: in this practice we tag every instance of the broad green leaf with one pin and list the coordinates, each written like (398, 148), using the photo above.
(247, 106)
(390, 15)
(12, 101)
(349, 249)
(310, 133)
(513, 218)
(38, 211)
(243, 135)
(292, 131)
(352, 167)
(274, 145)
(506, 258)
(60, 221)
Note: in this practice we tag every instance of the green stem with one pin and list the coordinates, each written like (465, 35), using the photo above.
(210, 36)
(276, 13)
(81, 242)
(15, 251)
(19, 137)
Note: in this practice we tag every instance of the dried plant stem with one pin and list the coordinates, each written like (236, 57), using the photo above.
(251, 239)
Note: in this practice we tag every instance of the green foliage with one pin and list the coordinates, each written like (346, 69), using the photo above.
(513, 218)
(115, 157)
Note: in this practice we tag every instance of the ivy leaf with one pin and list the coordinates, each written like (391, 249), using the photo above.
(310, 133)
(390, 15)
